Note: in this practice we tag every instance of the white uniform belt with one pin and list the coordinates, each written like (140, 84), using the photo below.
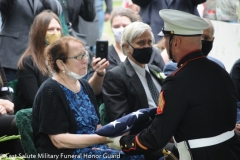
(204, 142)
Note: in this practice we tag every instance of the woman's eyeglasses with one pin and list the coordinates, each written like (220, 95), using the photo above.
(80, 56)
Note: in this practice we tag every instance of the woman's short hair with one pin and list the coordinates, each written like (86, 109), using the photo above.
(59, 50)
(133, 31)
(125, 12)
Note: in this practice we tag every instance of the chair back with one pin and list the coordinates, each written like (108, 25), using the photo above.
(103, 115)
(23, 122)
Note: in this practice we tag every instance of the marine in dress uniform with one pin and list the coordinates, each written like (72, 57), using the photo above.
(197, 103)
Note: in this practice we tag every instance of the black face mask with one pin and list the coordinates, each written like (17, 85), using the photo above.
(206, 47)
(142, 55)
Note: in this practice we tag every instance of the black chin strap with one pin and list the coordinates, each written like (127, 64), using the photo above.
(170, 47)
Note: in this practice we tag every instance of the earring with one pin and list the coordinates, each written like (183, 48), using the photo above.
(63, 71)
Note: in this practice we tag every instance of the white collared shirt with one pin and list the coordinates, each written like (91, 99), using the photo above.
(141, 74)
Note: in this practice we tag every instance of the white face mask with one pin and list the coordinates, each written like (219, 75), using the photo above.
(117, 33)
(73, 75)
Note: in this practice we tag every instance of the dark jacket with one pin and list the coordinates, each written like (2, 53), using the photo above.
(5, 90)
(235, 75)
(29, 80)
(82, 8)
(194, 100)
(17, 18)
(150, 11)
(52, 114)
(123, 91)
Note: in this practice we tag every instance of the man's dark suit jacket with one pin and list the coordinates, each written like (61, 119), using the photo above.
(17, 18)
(150, 11)
(235, 75)
(123, 91)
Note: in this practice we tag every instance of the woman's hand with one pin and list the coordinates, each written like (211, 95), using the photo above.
(99, 126)
(8, 105)
(99, 66)
(2, 110)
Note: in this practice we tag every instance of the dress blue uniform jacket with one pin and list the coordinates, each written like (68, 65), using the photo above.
(197, 101)
(170, 67)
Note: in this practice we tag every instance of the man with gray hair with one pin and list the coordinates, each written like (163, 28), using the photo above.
(133, 84)
(126, 88)
(193, 101)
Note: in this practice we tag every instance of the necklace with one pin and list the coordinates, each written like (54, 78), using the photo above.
(70, 88)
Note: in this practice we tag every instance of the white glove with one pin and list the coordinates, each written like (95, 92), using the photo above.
(114, 142)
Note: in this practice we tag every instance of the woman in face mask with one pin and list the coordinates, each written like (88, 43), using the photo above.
(32, 69)
(65, 110)
(120, 18)
(32, 66)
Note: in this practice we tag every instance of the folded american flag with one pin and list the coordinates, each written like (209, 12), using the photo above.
(134, 122)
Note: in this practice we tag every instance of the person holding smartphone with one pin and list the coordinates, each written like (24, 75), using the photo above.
(32, 67)
(65, 116)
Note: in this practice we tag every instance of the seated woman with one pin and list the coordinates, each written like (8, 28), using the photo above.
(65, 113)
(7, 121)
(32, 69)
(120, 18)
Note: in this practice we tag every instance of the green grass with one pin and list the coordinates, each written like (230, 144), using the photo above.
(107, 30)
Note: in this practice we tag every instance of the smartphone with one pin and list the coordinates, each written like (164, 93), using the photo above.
(102, 49)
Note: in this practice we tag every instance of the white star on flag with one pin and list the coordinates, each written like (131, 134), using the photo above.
(114, 123)
(137, 113)
(127, 128)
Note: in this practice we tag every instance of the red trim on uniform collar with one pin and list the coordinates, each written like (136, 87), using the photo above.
(186, 64)
(198, 50)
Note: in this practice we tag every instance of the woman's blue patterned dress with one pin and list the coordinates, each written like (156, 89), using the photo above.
(87, 121)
